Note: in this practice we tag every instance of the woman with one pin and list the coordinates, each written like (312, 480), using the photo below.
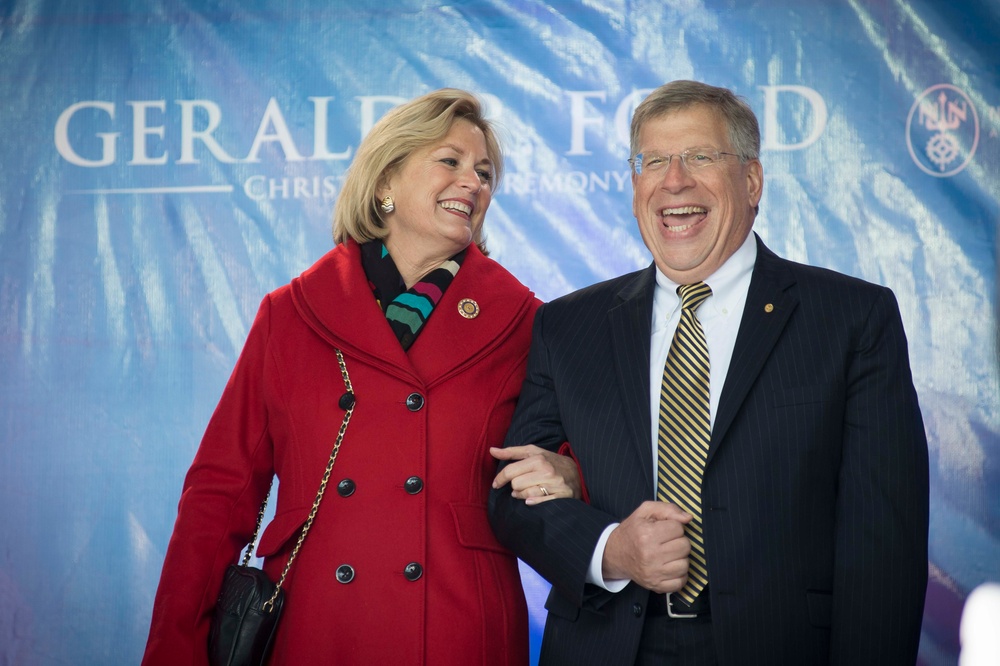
(400, 565)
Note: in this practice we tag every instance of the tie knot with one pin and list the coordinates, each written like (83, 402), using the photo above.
(693, 295)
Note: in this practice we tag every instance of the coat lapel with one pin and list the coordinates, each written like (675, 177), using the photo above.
(450, 341)
(333, 297)
(630, 333)
(769, 305)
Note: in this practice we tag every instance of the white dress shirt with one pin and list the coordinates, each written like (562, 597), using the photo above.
(720, 316)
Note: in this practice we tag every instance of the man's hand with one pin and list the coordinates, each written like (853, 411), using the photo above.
(537, 475)
(649, 547)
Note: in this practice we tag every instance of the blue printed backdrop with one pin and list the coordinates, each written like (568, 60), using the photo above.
(165, 164)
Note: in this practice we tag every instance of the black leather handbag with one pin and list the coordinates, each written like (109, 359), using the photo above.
(246, 618)
(245, 621)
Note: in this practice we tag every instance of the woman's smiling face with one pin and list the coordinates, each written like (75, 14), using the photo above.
(441, 193)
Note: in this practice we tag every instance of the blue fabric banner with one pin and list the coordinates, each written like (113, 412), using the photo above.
(167, 163)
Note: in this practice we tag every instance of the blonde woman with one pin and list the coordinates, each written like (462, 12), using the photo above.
(400, 565)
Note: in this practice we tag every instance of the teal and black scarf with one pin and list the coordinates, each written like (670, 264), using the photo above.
(406, 310)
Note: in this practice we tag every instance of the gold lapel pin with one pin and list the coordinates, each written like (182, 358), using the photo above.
(468, 308)
(768, 308)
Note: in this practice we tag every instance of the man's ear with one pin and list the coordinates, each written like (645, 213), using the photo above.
(755, 182)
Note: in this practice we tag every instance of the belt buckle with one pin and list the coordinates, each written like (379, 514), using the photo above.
(671, 613)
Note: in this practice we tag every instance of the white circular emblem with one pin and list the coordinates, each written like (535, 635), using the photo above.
(942, 130)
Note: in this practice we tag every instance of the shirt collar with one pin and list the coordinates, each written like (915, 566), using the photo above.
(734, 272)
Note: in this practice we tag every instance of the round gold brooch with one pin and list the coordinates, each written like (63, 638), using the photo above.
(468, 308)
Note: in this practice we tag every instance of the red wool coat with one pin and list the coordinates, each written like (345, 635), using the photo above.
(404, 515)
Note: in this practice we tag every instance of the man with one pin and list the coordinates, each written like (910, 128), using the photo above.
(786, 514)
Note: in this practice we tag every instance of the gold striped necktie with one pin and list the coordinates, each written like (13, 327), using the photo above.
(685, 429)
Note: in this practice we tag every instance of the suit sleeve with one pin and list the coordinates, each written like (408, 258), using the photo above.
(557, 539)
(880, 575)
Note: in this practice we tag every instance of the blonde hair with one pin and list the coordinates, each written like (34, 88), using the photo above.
(394, 138)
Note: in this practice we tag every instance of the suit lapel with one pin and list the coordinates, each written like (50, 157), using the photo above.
(768, 308)
(630, 332)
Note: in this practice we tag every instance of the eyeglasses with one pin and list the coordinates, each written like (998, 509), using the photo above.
(692, 159)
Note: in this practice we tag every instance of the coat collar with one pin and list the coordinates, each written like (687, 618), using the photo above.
(334, 299)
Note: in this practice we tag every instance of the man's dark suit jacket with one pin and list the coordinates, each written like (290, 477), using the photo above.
(815, 495)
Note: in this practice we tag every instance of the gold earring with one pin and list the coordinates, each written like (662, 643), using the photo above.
(387, 205)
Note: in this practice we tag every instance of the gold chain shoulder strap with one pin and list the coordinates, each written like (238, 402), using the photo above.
(319, 494)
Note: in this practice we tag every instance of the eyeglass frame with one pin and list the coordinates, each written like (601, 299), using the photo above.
(636, 160)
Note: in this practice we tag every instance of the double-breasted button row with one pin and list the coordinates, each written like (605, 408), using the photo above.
(412, 572)
(414, 401)
(412, 485)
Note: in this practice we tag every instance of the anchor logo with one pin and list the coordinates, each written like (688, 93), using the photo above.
(939, 136)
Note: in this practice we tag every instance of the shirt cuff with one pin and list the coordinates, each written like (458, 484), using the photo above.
(595, 574)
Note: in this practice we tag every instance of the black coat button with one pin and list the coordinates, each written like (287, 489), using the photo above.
(345, 488)
(345, 573)
(346, 401)
(413, 571)
(414, 402)
(637, 610)
(414, 485)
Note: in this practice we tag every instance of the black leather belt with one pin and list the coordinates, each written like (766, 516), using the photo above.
(673, 606)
